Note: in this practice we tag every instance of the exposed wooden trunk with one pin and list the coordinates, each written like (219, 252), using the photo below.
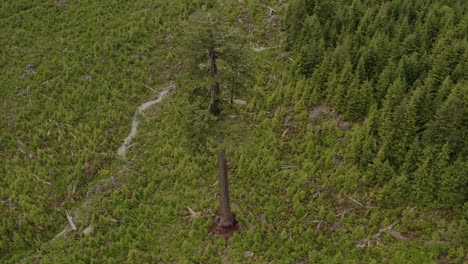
(212, 58)
(215, 90)
(232, 91)
(226, 218)
(215, 100)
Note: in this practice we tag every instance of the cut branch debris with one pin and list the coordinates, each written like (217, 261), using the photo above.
(375, 239)
(41, 180)
(70, 221)
(238, 101)
(193, 213)
(358, 203)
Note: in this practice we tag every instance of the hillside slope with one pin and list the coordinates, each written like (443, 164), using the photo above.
(351, 146)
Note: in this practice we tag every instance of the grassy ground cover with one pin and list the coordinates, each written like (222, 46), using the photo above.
(72, 74)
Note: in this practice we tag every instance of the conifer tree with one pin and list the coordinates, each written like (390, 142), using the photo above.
(338, 95)
(412, 158)
(451, 122)
(385, 79)
(358, 99)
(362, 145)
(294, 20)
(428, 175)
(453, 191)
(404, 132)
(421, 101)
(361, 69)
(310, 57)
(216, 54)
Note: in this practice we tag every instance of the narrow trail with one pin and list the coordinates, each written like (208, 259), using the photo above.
(75, 213)
(135, 122)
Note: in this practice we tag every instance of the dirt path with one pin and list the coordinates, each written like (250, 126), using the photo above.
(74, 216)
(135, 122)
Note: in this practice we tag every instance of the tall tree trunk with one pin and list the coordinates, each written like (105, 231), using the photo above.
(215, 89)
(226, 220)
(215, 100)
(232, 91)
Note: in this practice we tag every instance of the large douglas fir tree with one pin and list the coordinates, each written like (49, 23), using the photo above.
(216, 55)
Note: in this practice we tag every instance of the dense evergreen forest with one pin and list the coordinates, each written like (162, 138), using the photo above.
(344, 123)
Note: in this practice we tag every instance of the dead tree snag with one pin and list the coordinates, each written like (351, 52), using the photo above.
(224, 224)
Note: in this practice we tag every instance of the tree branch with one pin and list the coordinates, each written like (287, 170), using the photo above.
(70, 221)
(41, 180)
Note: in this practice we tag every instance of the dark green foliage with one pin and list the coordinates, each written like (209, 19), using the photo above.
(216, 56)
(450, 124)
(453, 187)
(360, 124)
(295, 19)
(409, 64)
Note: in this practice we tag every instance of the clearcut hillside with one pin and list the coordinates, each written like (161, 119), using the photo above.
(345, 136)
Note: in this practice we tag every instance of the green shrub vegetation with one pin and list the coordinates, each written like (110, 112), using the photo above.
(351, 146)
